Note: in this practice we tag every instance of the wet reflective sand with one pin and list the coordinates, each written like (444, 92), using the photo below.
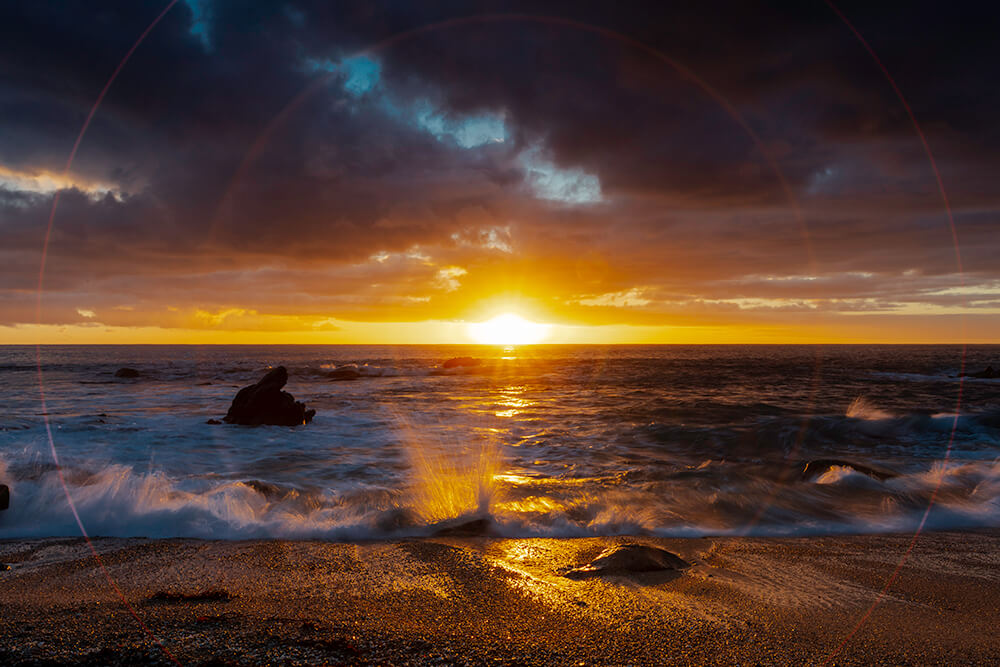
(490, 601)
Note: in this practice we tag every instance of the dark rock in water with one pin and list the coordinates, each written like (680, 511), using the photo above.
(4, 497)
(265, 489)
(461, 362)
(265, 403)
(127, 373)
(627, 559)
(473, 528)
(213, 421)
(988, 374)
(349, 372)
(816, 468)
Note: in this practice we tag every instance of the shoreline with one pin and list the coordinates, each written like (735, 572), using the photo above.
(477, 600)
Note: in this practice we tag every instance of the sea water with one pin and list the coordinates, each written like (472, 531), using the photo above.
(535, 441)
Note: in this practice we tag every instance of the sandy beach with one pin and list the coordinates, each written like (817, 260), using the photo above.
(500, 601)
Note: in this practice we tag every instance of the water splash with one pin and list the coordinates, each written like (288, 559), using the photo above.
(861, 408)
(452, 479)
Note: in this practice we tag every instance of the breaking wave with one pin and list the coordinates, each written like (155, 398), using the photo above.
(711, 499)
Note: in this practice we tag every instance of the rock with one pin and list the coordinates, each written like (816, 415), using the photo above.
(988, 374)
(461, 362)
(265, 403)
(265, 489)
(473, 528)
(213, 422)
(396, 519)
(816, 468)
(629, 558)
(348, 372)
(127, 373)
(4, 497)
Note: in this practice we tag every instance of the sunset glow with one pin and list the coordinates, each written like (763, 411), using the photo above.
(508, 329)
(400, 185)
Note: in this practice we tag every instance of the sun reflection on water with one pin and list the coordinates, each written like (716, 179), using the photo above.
(512, 398)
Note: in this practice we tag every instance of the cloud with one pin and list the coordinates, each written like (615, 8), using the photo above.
(622, 299)
(251, 160)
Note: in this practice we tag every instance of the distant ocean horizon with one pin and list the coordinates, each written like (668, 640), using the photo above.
(542, 440)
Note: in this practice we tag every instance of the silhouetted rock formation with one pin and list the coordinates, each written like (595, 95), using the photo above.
(816, 468)
(4, 497)
(627, 559)
(127, 373)
(988, 374)
(265, 403)
(349, 372)
(461, 362)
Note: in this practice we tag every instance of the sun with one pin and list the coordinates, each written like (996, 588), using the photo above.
(508, 329)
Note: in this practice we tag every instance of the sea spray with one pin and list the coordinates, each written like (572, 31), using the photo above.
(451, 479)
(862, 408)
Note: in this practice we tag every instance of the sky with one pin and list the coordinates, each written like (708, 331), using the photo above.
(389, 172)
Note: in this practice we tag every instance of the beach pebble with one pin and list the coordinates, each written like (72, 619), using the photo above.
(629, 558)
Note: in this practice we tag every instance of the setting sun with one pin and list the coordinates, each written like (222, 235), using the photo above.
(508, 329)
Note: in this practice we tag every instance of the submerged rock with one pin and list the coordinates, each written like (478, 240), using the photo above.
(988, 374)
(472, 528)
(816, 468)
(629, 558)
(348, 372)
(4, 497)
(265, 403)
(461, 362)
(127, 373)
(265, 489)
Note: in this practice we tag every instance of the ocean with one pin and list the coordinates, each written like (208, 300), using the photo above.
(537, 440)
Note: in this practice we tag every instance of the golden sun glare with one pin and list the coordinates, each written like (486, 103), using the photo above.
(508, 329)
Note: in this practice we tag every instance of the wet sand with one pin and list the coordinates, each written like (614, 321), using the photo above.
(500, 601)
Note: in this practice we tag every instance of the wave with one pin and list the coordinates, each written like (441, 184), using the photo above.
(714, 499)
